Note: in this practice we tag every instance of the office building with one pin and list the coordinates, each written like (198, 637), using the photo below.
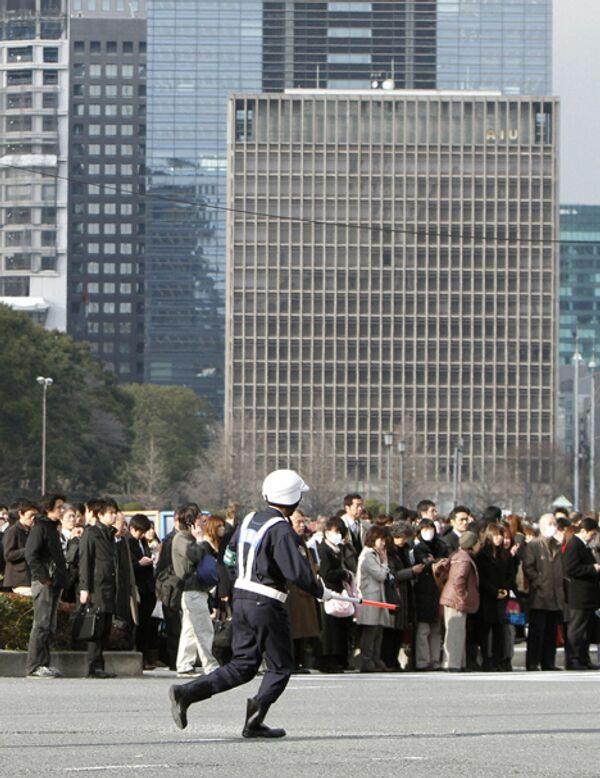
(392, 268)
(495, 44)
(34, 158)
(349, 44)
(107, 136)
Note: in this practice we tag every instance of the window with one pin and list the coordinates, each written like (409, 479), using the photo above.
(126, 170)
(110, 248)
(18, 123)
(110, 209)
(110, 149)
(50, 54)
(124, 288)
(126, 229)
(95, 47)
(126, 209)
(111, 71)
(127, 90)
(94, 148)
(78, 90)
(51, 30)
(48, 238)
(94, 170)
(95, 129)
(110, 129)
(18, 192)
(349, 32)
(110, 170)
(19, 100)
(127, 129)
(126, 268)
(127, 47)
(18, 238)
(108, 308)
(93, 229)
(95, 109)
(93, 268)
(142, 47)
(110, 110)
(109, 268)
(95, 90)
(79, 109)
(48, 215)
(79, 46)
(78, 70)
(17, 215)
(124, 307)
(111, 47)
(93, 209)
(127, 71)
(111, 90)
(19, 77)
(126, 150)
(18, 262)
(96, 71)
(14, 287)
(48, 262)
(110, 229)
(50, 78)
(127, 110)
(109, 288)
(22, 54)
(50, 100)
(49, 123)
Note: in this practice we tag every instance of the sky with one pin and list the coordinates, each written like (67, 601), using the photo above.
(577, 83)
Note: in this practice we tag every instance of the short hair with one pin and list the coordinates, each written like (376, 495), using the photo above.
(105, 503)
(19, 505)
(563, 511)
(459, 509)
(48, 501)
(375, 533)
(187, 514)
(588, 524)
(401, 529)
(425, 523)
(93, 505)
(140, 522)
(334, 523)
(562, 522)
(425, 505)
(492, 514)
(349, 498)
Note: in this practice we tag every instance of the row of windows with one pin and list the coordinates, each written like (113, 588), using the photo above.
(109, 109)
(29, 237)
(109, 129)
(106, 268)
(108, 149)
(106, 248)
(122, 6)
(108, 209)
(33, 262)
(109, 287)
(111, 308)
(26, 54)
(26, 78)
(80, 70)
(106, 170)
(29, 123)
(109, 47)
(21, 100)
(22, 215)
(107, 229)
(124, 91)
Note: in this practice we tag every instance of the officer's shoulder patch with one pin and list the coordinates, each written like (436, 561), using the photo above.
(302, 551)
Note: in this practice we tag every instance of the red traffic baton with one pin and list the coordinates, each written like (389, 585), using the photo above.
(371, 603)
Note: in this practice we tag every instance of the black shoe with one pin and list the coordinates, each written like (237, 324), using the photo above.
(178, 706)
(576, 666)
(552, 668)
(101, 674)
(254, 727)
(533, 668)
(592, 666)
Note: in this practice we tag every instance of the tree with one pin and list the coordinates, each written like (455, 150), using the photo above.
(170, 429)
(88, 415)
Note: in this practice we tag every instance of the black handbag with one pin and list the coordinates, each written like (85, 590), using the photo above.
(223, 633)
(87, 623)
(390, 587)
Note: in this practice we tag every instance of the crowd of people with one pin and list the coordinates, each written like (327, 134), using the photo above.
(465, 588)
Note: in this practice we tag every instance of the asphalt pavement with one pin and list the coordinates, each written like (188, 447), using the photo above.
(427, 724)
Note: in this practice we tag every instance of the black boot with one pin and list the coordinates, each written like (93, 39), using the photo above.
(253, 726)
(183, 696)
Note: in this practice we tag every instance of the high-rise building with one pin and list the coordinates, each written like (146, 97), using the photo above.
(579, 282)
(34, 157)
(349, 44)
(107, 139)
(392, 268)
(495, 44)
(197, 53)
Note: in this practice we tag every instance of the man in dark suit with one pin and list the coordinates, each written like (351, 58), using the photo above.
(143, 568)
(97, 580)
(459, 522)
(583, 595)
(353, 507)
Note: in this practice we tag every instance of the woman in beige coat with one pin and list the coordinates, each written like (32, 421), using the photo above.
(372, 571)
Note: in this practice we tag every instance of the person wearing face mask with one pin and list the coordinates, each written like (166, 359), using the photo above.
(543, 566)
(428, 632)
(496, 579)
(336, 630)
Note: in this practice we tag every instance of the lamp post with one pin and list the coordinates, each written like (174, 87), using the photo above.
(388, 439)
(592, 367)
(577, 360)
(44, 383)
(401, 450)
(456, 468)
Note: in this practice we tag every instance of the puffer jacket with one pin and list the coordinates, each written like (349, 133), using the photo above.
(461, 591)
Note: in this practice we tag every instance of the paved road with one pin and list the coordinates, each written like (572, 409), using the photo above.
(524, 724)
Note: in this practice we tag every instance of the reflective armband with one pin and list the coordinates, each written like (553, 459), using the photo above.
(230, 557)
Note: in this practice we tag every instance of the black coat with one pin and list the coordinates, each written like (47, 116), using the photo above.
(97, 573)
(583, 582)
(144, 574)
(71, 590)
(16, 572)
(44, 553)
(332, 570)
(495, 572)
(401, 569)
(427, 593)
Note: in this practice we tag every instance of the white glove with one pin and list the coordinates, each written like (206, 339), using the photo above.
(327, 594)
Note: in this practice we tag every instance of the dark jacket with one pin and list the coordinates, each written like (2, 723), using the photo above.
(16, 572)
(44, 554)
(427, 593)
(144, 574)
(71, 590)
(543, 566)
(332, 570)
(583, 582)
(495, 572)
(186, 553)
(97, 573)
(401, 569)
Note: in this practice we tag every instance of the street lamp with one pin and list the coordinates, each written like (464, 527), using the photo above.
(388, 440)
(592, 367)
(401, 450)
(456, 468)
(44, 383)
(577, 360)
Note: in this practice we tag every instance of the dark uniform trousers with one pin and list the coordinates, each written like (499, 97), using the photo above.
(261, 628)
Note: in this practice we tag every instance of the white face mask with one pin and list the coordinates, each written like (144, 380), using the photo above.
(548, 532)
(335, 538)
(428, 535)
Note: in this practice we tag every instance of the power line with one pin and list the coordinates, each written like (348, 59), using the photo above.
(428, 234)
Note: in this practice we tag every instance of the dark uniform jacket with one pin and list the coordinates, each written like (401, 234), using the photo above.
(44, 554)
(281, 557)
(16, 572)
(543, 566)
(583, 582)
(97, 566)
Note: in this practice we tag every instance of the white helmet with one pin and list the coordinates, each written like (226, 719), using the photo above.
(283, 487)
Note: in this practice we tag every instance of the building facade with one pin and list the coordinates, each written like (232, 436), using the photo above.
(349, 44)
(495, 44)
(34, 158)
(392, 269)
(107, 134)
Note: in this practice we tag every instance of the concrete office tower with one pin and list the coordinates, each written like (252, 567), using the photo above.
(579, 282)
(33, 158)
(495, 44)
(391, 268)
(107, 181)
(348, 44)
(198, 52)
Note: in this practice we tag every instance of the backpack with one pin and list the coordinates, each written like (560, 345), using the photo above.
(169, 588)
(440, 570)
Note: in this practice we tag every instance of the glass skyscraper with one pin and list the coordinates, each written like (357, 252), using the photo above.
(579, 281)
(495, 44)
(198, 52)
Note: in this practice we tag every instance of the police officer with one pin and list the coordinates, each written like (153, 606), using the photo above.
(266, 552)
